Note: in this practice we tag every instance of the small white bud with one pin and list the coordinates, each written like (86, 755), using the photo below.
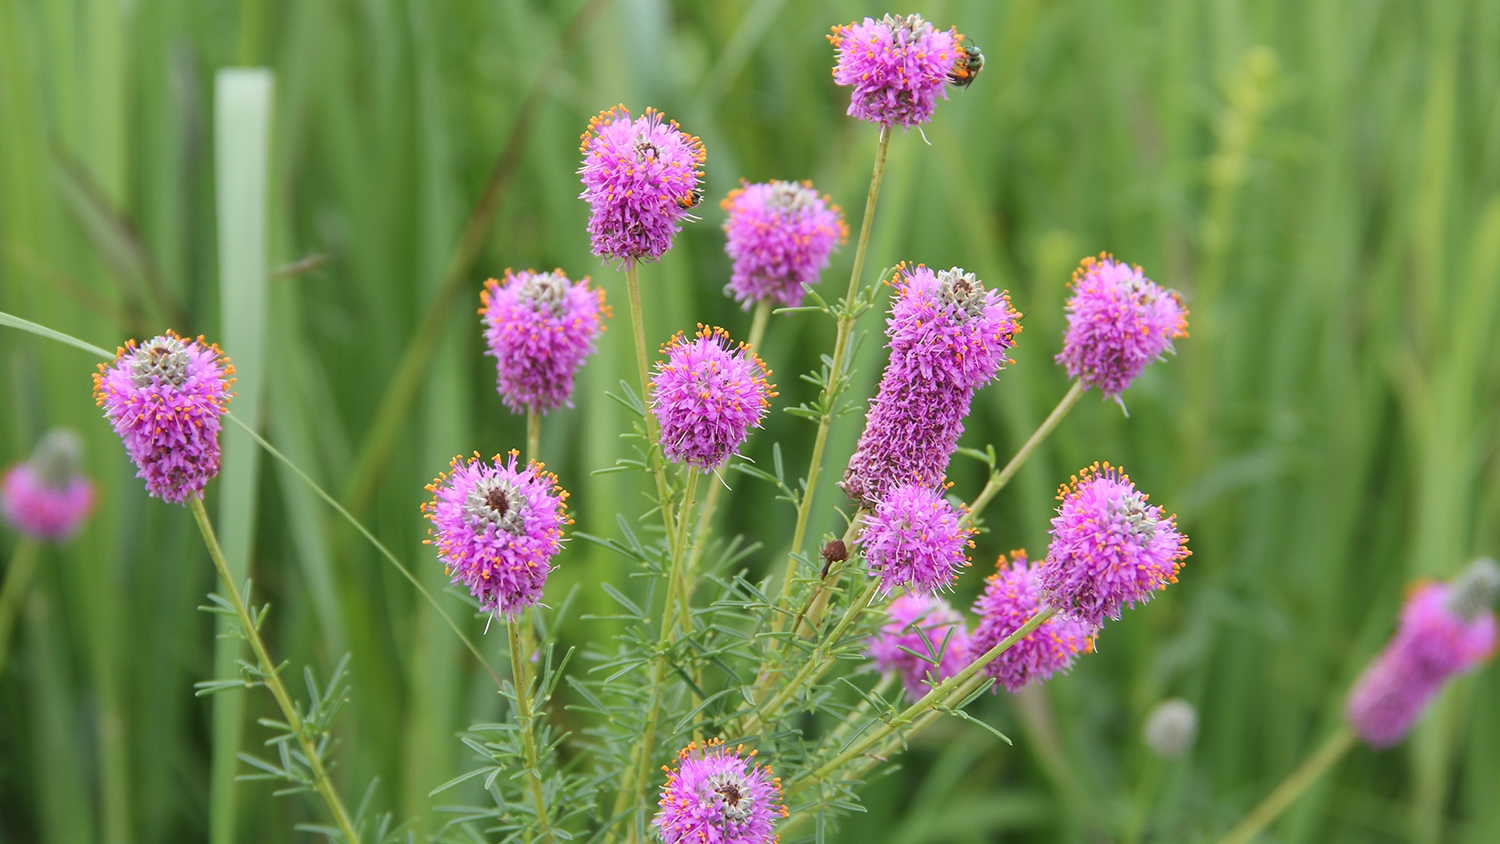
(1171, 728)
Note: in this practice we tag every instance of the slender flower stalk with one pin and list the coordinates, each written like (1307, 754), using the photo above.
(18, 577)
(527, 723)
(999, 479)
(533, 436)
(1332, 749)
(272, 679)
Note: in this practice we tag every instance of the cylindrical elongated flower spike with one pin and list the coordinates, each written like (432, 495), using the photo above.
(640, 179)
(898, 66)
(923, 640)
(1110, 547)
(1011, 597)
(1446, 629)
(540, 328)
(779, 235)
(164, 398)
(915, 538)
(48, 497)
(948, 337)
(1118, 321)
(707, 395)
(1170, 728)
(496, 527)
(716, 795)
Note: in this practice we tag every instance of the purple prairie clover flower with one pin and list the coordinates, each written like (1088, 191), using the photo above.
(496, 527)
(779, 235)
(921, 662)
(948, 337)
(1446, 629)
(1011, 597)
(898, 67)
(164, 398)
(707, 395)
(915, 538)
(1110, 548)
(540, 328)
(1118, 321)
(48, 497)
(715, 795)
(640, 179)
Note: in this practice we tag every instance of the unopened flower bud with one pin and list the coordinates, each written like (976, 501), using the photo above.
(1474, 590)
(1170, 728)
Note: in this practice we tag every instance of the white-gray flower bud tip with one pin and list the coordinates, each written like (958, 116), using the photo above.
(1171, 728)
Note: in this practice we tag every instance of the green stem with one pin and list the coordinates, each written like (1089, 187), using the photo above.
(811, 614)
(528, 728)
(533, 435)
(643, 367)
(835, 376)
(1332, 749)
(999, 479)
(942, 693)
(272, 678)
(758, 324)
(17, 583)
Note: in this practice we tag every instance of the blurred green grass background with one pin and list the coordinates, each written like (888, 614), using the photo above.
(1320, 179)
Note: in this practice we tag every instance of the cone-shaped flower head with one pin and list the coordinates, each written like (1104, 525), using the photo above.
(164, 398)
(948, 337)
(915, 538)
(1118, 321)
(719, 796)
(1110, 547)
(1446, 629)
(707, 395)
(923, 640)
(1170, 728)
(898, 66)
(48, 497)
(540, 328)
(496, 528)
(780, 235)
(640, 179)
(1011, 597)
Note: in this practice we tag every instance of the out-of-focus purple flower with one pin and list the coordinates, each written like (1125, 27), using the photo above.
(1110, 548)
(898, 66)
(948, 336)
(640, 179)
(921, 662)
(1118, 321)
(540, 328)
(719, 796)
(164, 398)
(916, 539)
(48, 497)
(707, 395)
(1011, 597)
(779, 235)
(1446, 629)
(496, 528)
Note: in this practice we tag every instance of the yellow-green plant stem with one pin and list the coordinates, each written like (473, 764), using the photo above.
(1284, 795)
(272, 679)
(528, 728)
(816, 665)
(533, 435)
(643, 367)
(942, 693)
(835, 374)
(18, 577)
(999, 479)
(837, 736)
(811, 614)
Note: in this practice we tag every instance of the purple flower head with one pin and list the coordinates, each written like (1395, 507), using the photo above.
(780, 235)
(1011, 597)
(497, 528)
(1118, 321)
(164, 398)
(915, 539)
(921, 662)
(719, 796)
(948, 337)
(640, 179)
(540, 328)
(707, 395)
(1110, 548)
(1446, 629)
(898, 66)
(48, 497)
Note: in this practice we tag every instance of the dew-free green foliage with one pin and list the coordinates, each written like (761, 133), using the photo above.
(1321, 181)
